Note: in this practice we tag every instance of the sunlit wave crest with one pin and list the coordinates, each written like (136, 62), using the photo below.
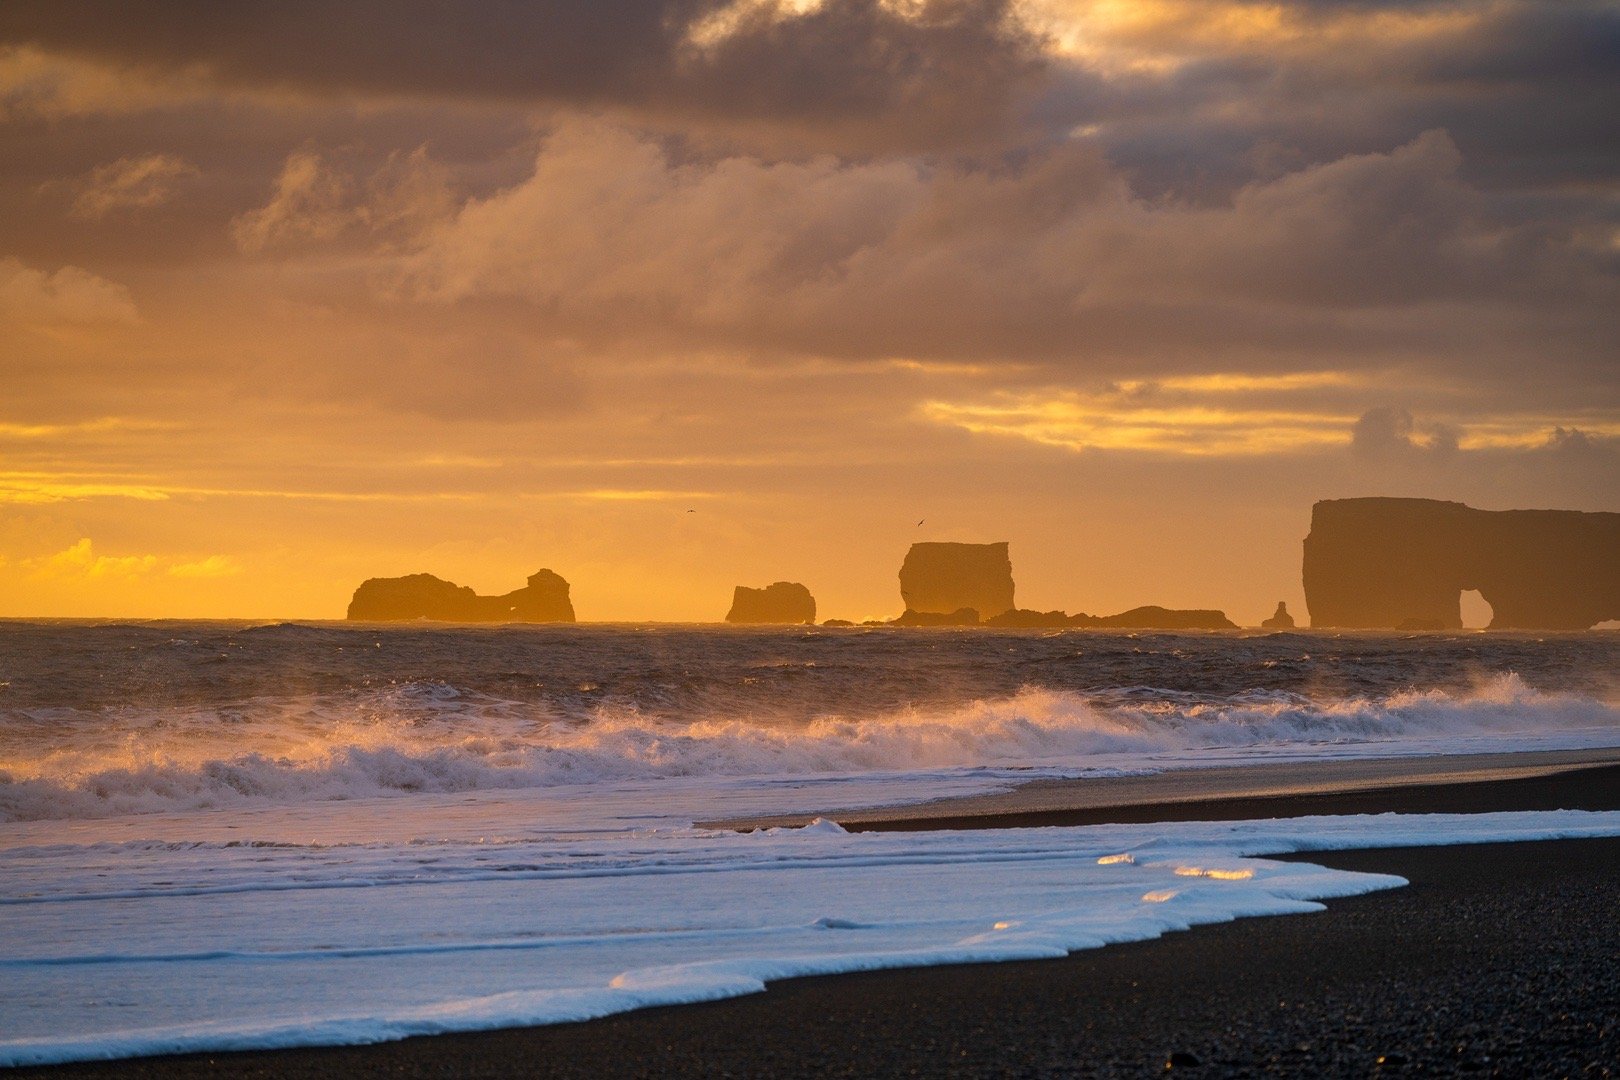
(428, 738)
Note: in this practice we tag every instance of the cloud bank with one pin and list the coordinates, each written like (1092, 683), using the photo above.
(396, 279)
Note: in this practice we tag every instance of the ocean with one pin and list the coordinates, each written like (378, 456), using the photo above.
(219, 835)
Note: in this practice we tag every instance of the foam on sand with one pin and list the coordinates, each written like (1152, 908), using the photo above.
(220, 945)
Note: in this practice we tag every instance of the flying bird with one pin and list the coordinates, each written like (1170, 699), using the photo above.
(921, 521)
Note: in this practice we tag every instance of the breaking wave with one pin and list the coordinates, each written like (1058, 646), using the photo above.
(430, 739)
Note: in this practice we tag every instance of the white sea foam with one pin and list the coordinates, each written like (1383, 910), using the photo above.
(423, 740)
(216, 946)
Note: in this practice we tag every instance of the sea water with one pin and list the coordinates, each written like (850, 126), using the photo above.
(218, 835)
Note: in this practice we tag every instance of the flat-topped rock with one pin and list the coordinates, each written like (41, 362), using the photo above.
(941, 578)
(781, 602)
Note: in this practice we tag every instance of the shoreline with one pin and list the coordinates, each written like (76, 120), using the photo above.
(1390, 973)
(1455, 783)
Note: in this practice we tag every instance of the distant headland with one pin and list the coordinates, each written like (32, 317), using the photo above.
(1373, 563)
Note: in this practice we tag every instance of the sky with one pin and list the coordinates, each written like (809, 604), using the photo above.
(674, 295)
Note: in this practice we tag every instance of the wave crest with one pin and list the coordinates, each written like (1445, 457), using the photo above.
(310, 754)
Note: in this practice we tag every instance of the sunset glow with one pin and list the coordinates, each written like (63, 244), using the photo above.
(726, 292)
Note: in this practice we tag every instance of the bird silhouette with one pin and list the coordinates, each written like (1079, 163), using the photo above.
(921, 521)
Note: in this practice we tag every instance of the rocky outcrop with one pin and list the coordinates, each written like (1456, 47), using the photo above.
(1280, 619)
(423, 596)
(1153, 617)
(1386, 563)
(1139, 618)
(782, 602)
(960, 617)
(944, 578)
(1024, 618)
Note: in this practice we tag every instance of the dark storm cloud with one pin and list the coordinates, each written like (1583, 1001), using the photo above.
(1569, 45)
(1367, 261)
(1208, 186)
(1530, 92)
(943, 66)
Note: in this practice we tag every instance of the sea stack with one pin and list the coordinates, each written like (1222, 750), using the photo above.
(1389, 563)
(782, 602)
(1280, 619)
(423, 596)
(944, 579)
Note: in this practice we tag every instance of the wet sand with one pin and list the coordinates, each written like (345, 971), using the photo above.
(1500, 959)
(1443, 784)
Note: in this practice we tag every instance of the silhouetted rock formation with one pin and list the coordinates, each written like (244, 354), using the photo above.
(946, 578)
(423, 596)
(783, 602)
(1381, 563)
(960, 617)
(1153, 617)
(1024, 618)
(838, 622)
(1280, 620)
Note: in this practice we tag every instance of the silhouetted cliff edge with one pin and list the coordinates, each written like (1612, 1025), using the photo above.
(782, 602)
(943, 579)
(1385, 563)
(423, 596)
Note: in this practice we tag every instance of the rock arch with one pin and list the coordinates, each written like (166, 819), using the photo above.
(1386, 563)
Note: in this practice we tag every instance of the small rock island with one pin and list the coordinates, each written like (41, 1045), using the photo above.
(423, 596)
(1280, 619)
(1383, 563)
(1154, 617)
(781, 602)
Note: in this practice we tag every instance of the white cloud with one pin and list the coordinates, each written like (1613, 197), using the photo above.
(129, 183)
(310, 203)
(212, 567)
(67, 295)
(80, 562)
(316, 200)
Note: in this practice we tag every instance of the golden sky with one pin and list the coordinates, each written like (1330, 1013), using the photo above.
(674, 295)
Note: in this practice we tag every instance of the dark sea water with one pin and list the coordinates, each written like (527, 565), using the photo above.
(99, 718)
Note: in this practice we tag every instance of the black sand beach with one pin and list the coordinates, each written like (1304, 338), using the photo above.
(1497, 960)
